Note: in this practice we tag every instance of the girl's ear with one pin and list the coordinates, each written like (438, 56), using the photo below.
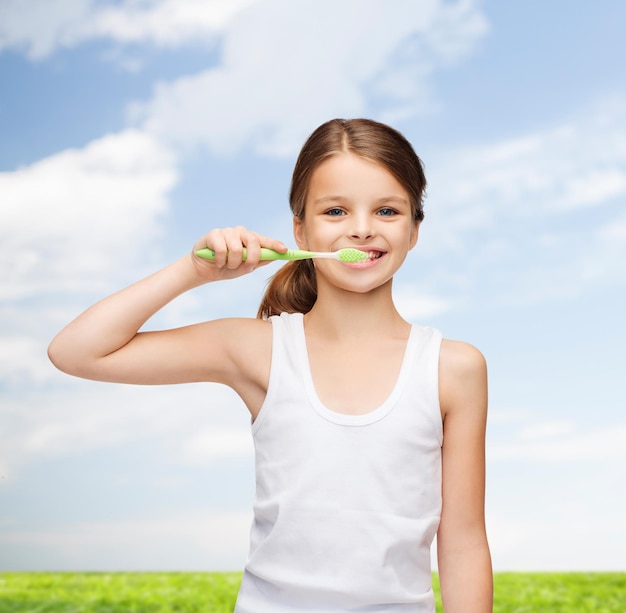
(299, 234)
(414, 235)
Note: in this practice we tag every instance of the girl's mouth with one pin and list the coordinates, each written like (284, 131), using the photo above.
(373, 255)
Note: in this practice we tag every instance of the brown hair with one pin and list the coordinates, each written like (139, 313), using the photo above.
(293, 289)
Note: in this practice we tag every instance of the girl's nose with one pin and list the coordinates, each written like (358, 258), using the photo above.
(361, 227)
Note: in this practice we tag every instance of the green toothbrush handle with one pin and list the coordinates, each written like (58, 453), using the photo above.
(266, 254)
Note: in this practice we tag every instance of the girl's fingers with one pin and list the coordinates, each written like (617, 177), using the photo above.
(253, 248)
(255, 243)
(216, 241)
(235, 245)
(272, 243)
(229, 243)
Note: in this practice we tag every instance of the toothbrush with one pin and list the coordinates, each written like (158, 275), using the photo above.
(343, 255)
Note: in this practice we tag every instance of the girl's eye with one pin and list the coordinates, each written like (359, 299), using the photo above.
(386, 212)
(336, 212)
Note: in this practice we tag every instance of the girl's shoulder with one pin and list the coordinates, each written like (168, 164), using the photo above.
(462, 376)
(228, 348)
(460, 358)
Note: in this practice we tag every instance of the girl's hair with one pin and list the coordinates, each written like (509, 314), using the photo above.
(293, 289)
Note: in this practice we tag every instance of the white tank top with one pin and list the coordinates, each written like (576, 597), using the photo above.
(346, 506)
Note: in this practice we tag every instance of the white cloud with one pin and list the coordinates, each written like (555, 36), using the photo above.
(571, 542)
(604, 261)
(561, 442)
(553, 496)
(188, 541)
(23, 358)
(69, 224)
(509, 416)
(80, 214)
(287, 67)
(164, 22)
(414, 305)
(546, 430)
(531, 219)
(596, 186)
(580, 163)
(41, 27)
(71, 421)
(211, 444)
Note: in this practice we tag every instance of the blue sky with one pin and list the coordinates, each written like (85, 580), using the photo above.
(129, 128)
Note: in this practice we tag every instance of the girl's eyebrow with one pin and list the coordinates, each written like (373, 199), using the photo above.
(328, 199)
(389, 199)
(342, 199)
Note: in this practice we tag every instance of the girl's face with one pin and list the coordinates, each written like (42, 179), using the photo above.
(353, 202)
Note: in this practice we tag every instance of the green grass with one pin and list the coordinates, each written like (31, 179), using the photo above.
(216, 592)
(560, 592)
(118, 592)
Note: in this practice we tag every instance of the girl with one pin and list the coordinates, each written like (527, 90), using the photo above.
(369, 432)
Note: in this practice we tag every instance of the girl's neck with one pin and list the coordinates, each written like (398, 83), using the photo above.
(349, 315)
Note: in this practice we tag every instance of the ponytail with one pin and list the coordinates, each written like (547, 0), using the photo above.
(293, 289)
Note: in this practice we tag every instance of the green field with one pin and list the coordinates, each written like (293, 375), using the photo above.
(216, 592)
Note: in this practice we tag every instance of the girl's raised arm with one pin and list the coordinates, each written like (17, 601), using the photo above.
(104, 343)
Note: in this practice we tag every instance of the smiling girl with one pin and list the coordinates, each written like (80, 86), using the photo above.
(369, 431)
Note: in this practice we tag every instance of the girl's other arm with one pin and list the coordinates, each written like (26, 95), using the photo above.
(104, 343)
(463, 552)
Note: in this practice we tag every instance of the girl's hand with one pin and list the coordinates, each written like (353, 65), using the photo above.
(228, 244)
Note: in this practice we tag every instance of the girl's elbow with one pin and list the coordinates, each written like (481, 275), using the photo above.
(64, 358)
(58, 357)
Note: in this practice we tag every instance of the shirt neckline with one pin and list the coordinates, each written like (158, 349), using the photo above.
(344, 419)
